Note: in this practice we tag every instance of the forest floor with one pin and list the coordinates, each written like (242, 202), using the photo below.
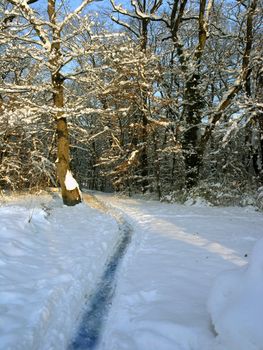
(52, 259)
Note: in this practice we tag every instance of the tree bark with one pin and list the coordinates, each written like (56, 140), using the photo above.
(69, 197)
(194, 102)
(144, 156)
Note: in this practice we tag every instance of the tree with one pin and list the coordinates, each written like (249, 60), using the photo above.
(125, 76)
(140, 30)
(47, 42)
(164, 104)
(191, 30)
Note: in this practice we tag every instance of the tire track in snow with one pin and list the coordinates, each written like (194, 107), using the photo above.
(96, 309)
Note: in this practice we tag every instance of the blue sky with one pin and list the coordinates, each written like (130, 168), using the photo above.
(95, 5)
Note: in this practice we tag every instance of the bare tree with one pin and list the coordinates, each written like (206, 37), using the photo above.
(46, 40)
(137, 23)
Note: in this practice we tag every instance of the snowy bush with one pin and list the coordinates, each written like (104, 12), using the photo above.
(174, 197)
(236, 305)
(26, 150)
(235, 193)
(260, 198)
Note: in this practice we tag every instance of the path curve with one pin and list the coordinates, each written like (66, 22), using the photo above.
(97, 307)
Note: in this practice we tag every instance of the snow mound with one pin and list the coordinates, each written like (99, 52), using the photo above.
(70, 182)
(236, 305)
(168, 336)
(260, 198)
(197, 202)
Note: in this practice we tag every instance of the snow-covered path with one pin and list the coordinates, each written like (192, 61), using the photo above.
(167, 273)
(93, 317)
(53, 258)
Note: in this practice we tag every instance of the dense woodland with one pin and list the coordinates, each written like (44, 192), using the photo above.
(139, 96)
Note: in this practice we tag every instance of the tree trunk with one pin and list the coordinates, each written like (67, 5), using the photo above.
(70, 197)
(258, 156)
(144, 156)
(193, 108)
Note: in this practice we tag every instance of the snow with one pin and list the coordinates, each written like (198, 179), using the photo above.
(52, 258)
(166, 276)
(236, 305)
(76, 12)
(70, 182)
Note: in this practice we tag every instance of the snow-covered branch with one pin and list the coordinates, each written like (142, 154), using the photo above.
(37, 24)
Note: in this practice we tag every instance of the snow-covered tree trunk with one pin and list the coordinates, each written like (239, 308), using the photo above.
(70, 196)
(194, 101)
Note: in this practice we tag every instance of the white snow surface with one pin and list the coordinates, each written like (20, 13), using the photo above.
(165, 279)
(70, 182)
(52, 256)
(236, 305)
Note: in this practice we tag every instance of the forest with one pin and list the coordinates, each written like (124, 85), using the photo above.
(137, 96)
(157, 100)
